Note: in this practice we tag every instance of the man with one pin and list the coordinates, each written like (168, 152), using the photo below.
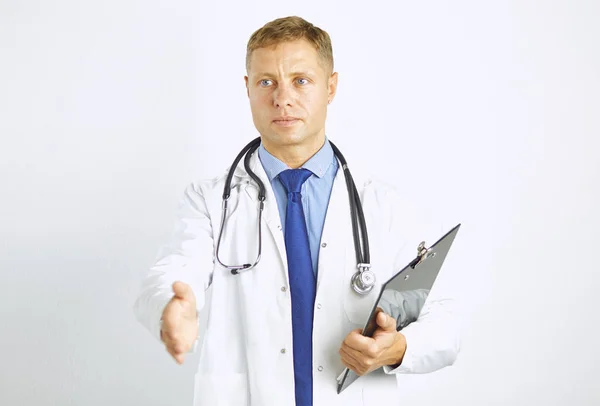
(281, 333)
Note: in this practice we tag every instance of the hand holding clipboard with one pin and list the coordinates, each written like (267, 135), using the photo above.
(404, 294)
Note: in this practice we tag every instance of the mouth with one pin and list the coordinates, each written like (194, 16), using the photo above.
(285, 121)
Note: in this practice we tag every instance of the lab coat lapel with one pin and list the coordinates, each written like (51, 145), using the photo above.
(271, 212)
(336, 230)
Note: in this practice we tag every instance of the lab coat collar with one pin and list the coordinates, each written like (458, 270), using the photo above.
(336, 221)
(318, 164)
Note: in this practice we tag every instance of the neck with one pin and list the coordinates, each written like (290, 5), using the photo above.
(295, 155)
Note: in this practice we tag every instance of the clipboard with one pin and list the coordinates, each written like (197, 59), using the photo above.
(405, 292)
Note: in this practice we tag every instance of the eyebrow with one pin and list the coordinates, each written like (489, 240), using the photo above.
(271, 75)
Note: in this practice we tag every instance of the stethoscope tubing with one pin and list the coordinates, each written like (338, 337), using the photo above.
(359, 227)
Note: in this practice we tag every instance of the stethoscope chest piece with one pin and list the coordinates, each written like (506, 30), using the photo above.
(363, 280)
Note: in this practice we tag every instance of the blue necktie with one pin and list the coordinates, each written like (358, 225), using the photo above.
(302, 284)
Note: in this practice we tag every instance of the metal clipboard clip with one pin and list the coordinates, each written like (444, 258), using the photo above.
(422, 255)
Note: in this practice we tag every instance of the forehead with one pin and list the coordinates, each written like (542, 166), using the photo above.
(292, 55)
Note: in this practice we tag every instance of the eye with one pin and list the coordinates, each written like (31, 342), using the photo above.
(265, 82)
(302, 79)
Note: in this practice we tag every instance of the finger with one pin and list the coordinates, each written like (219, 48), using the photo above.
(178, 313)
(177, 346)
(181, 346)
(171, 326)
(362, 357)
(175, 341)
(177, 332)
(178, 357)
(168, 340)
(358, 342)
(350, 364)
(357, 368)
(386, 322)
(183, 291)
(350, 356)
(351, 367)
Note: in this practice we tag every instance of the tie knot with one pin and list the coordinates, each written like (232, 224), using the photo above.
(292, 179)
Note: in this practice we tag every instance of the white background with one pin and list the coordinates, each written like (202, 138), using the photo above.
(486, 111)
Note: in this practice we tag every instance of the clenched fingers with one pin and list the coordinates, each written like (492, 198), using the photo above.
(350, 360)
(356, 341)
(359, 362)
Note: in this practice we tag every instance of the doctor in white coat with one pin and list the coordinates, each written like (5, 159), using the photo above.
(247, 354)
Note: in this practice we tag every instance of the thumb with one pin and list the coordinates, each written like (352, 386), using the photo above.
(386, 322)
(183, 291)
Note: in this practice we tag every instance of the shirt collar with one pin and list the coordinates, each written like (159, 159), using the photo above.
(318, 164)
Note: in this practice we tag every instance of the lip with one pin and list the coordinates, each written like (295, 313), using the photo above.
(285, 121)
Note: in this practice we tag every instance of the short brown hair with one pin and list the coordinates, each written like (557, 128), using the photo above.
(291, 29)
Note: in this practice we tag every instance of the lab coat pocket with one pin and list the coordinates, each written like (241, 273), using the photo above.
(221, 389)
(378, 388)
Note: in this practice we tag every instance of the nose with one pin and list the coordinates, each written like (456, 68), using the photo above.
(283, 96)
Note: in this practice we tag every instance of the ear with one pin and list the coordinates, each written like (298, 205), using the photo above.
(332, 87)
(247, 89)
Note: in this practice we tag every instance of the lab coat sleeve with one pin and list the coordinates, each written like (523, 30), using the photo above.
(433, 340)
(187, 257)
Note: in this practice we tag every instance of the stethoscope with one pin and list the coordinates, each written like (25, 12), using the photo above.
(363, 280)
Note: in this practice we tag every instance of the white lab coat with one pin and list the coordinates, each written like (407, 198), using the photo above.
(246, 354)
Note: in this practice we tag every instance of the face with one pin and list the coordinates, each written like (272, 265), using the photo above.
(289, 89)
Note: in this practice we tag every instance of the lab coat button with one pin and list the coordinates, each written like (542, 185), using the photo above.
(324, 245)
(283, 288)
(283, 350)
(318, 305)
(320, 368)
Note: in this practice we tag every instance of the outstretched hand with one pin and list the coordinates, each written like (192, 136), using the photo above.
(179, 322)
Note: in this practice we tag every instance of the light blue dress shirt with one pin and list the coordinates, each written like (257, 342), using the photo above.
(316, 191)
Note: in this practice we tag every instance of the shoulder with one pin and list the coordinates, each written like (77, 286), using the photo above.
(399, 210)
(209, 187)
(204, 192)
(384, 195)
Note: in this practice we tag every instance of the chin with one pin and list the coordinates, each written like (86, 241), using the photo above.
(287, 138)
